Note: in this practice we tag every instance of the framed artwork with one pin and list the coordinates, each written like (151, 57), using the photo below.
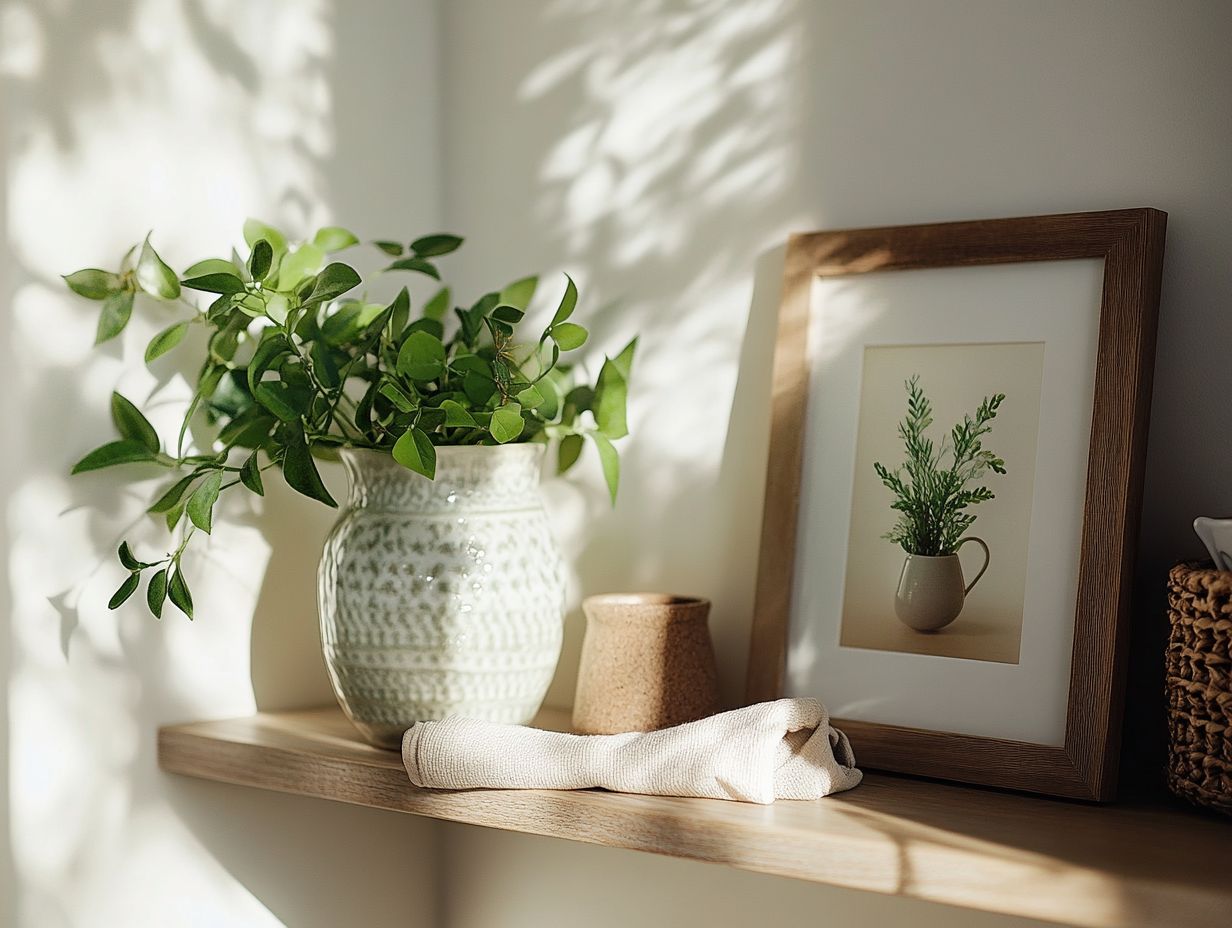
(959, 420)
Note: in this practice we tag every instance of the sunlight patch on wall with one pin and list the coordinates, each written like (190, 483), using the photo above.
(655, 157)
(130, 116)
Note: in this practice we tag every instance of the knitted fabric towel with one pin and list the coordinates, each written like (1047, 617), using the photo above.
(784, 749)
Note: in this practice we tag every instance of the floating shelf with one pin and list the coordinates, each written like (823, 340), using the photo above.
(1076, 864)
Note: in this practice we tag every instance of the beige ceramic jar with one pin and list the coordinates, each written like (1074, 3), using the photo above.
(647, 663)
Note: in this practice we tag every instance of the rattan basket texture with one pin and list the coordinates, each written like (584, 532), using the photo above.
(1200, 685)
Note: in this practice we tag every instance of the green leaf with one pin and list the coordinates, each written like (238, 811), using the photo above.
(496, 326)
(530, 398)
(249, 429)
(154, 277)
(117, 310)
(415, 264)
(130, 423)
(218, 282)
(278, 398)
(363, 409)
(250, 475)
(123, 451)
(436, 307)
(126, 263)
(478, 387)
(260, 260)
(422, 357)
(240, 268)
(92, 283)
(349, 320)
(506, 424)
(472, 319)
(610, 461)
(390, 248)
(334, 238)
(325, 364)
(396, 395)
(172, 495)
(225, 340)
(335, 280)
(568, 335)
(609, 404)
(457, 415)
(299, 266)
(125, 554)
(201, 504)
(219, 311)
(277, 307)
(399, 312)
(180, 595)
(510, 315)
(464, 363)
(567, 302)
(255, 230)
(156, 593)
(173, 516)
(433, 327)
(120, 596)
(581, 398)
(569, 451)
(624, 360)
(165, 340)
(251, 304)
(431, 418)
(414, 451)
(519, 293)
(553, 398)
(210, 266)
(300, 471)
(270, 350)
(430, 246)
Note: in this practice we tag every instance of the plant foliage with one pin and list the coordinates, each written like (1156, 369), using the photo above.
(298, 364)
(932, 487)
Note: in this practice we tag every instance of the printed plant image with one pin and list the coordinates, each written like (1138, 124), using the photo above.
(933, 487)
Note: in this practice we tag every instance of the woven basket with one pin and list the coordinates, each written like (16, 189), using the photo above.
(1200, 685)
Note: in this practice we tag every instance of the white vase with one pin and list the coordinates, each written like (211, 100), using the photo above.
(441, 596)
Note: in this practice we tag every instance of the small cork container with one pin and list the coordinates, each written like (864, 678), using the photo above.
(647, 663)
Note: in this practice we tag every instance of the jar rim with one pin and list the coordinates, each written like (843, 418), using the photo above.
(645, 599)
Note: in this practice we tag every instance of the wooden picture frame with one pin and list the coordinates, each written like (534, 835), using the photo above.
(1131, 244)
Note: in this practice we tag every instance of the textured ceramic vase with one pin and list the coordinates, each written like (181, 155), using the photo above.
(441, 596)
(931, 590)
(647, 663)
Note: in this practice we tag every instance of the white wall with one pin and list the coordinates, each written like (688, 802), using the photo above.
(182, 117)
(661, 151)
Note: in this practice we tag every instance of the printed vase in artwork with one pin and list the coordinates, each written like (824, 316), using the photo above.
(931, 591)
(442, 596)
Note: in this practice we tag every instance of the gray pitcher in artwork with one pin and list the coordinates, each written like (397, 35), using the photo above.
(931, 590)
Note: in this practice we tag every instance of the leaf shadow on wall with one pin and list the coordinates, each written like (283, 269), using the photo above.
(655, 156)
(94, 817)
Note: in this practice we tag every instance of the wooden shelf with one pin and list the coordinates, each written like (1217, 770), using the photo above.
(1071, 863)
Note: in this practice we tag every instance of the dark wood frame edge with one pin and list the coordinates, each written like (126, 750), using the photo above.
(1131, 243)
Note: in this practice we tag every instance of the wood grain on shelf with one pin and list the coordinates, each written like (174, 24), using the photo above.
(1052, 860)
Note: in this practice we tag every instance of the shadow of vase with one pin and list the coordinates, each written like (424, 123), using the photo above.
(288, 670)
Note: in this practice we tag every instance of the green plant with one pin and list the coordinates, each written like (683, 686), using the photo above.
(295, 367)
(930, 497)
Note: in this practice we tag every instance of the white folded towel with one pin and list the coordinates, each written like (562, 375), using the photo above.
(784, 749)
